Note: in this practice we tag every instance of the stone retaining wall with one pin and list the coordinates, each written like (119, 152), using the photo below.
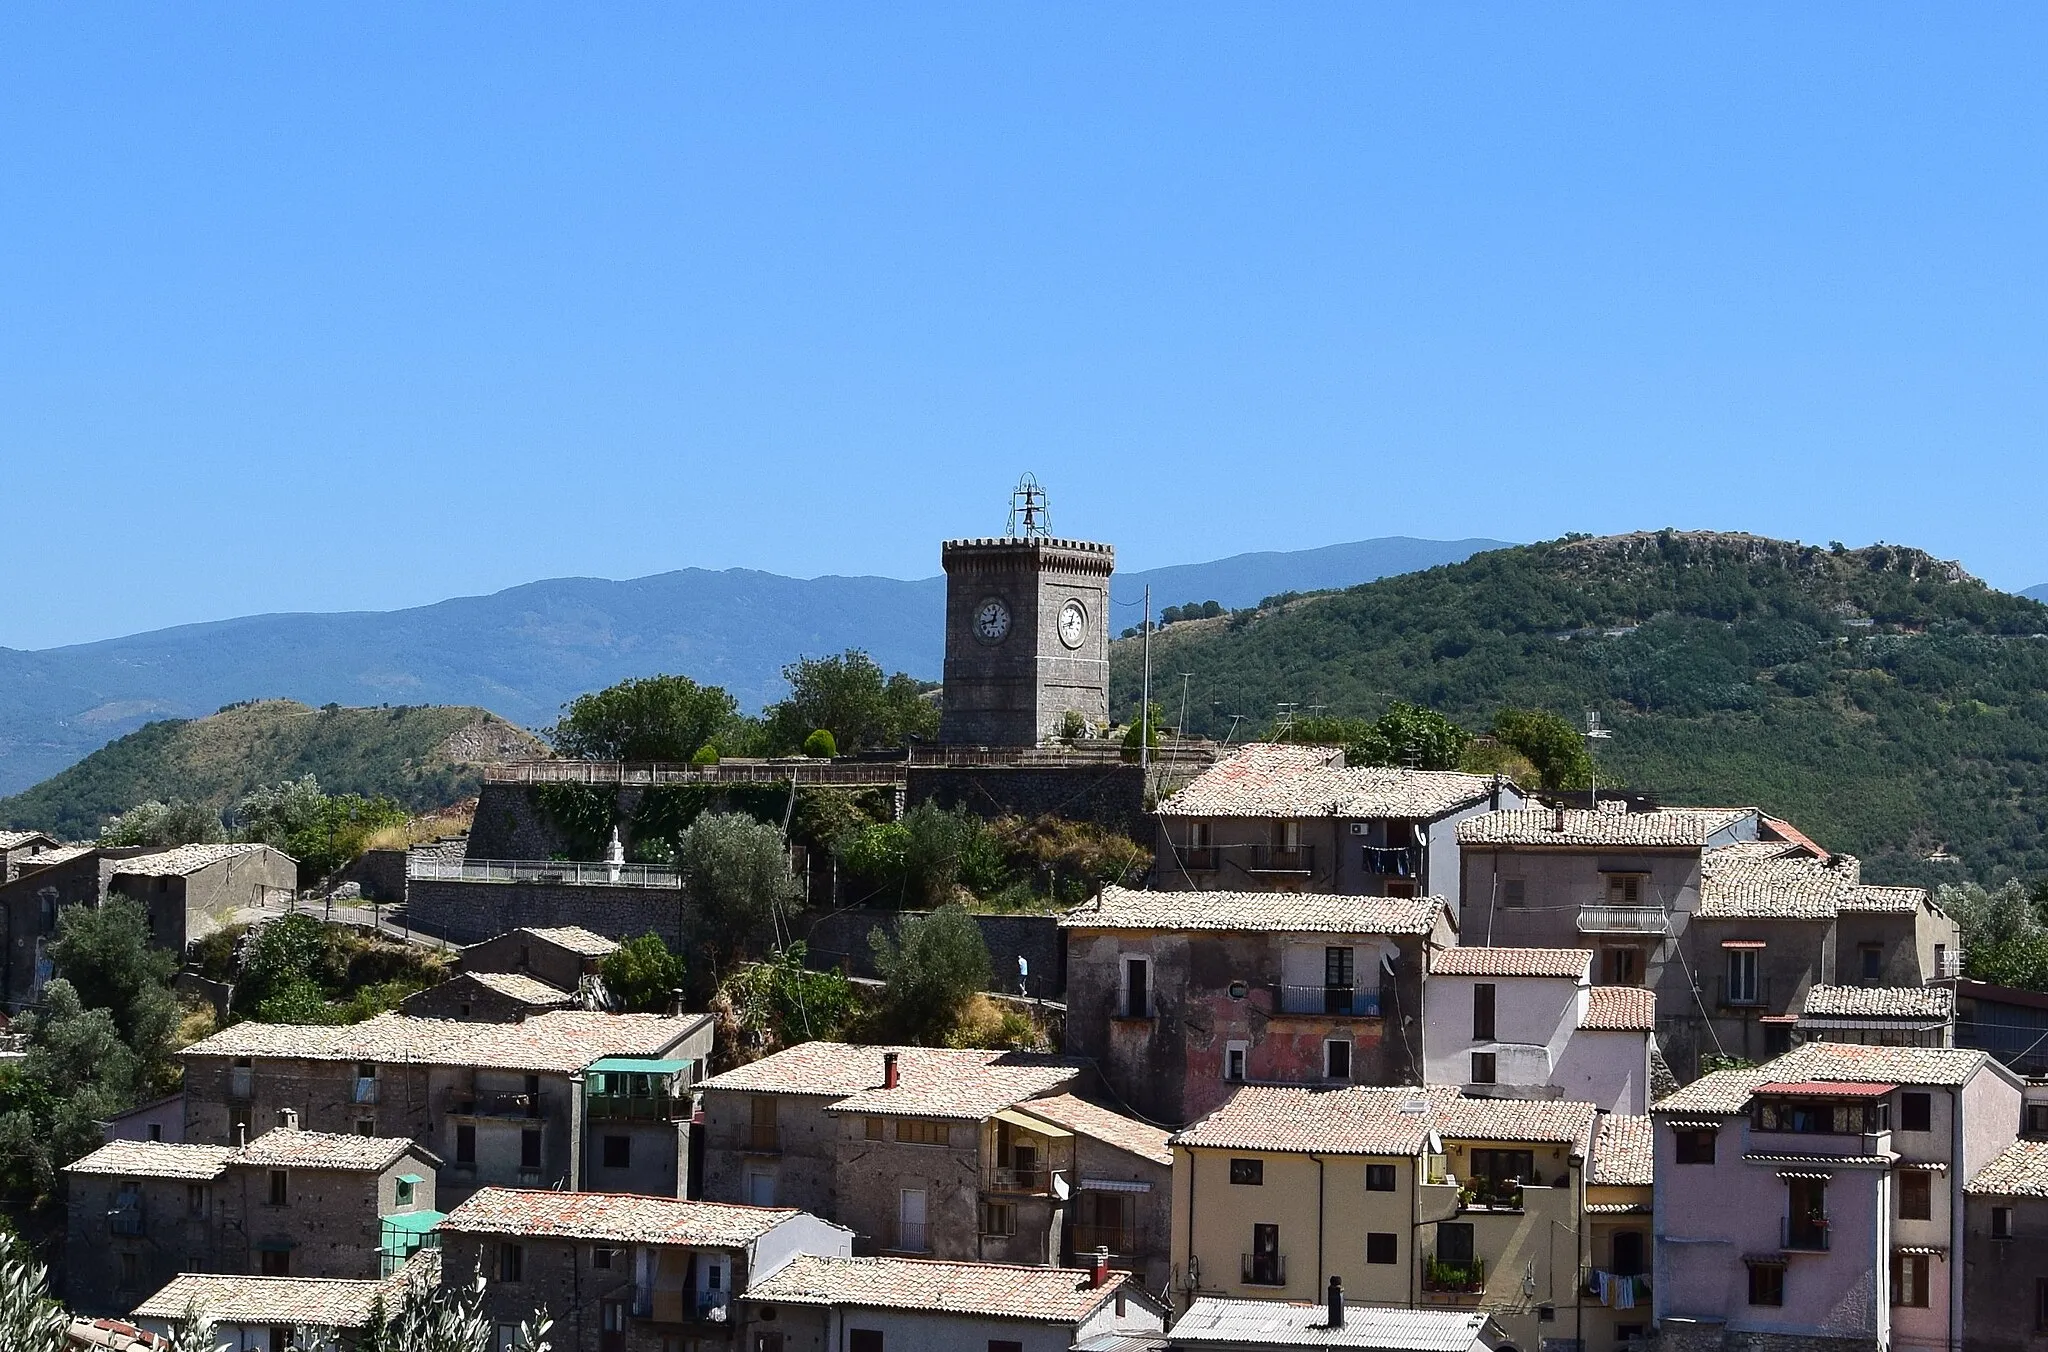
(467, 912)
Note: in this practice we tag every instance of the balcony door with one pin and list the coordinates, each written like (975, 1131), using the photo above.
(910, 1231)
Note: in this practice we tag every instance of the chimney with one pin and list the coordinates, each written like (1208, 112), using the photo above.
(1336, 1302)
(676, 1002)
(1100, 1276)
(241, 1134)
(888, 1070)
(287, 1119)
(1557, 822)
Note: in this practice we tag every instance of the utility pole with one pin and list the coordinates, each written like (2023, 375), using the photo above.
(1594, 733)
(1145, 696)
(1184, 706)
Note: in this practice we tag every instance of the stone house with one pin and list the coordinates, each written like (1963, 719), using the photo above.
(829, 1304)
(1180, 996)
(624, 1273)
(1818, 1199)
(921, 1150)
(499, 1103)
(560, 955)
(487, 997)
(1529, 1023)
(265, 1314)
(2005, 1251)
(19, 848)
(1119, 1173)
(1287, 818)
(2009, 1023)
(1613, 1307)
(1888, 1016)
(289, 1203)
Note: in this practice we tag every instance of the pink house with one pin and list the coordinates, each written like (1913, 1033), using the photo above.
(1819, 1197)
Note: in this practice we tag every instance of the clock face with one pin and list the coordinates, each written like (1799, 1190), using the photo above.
(991, 620)
(1073, 624)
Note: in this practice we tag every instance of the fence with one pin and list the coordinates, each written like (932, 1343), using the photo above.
(542, 871)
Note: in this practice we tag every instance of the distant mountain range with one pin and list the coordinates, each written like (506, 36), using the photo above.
(522, 652)
(2039, 593)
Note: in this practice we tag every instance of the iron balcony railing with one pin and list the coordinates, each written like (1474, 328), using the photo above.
(1492, 1195)
(1201, 859)
(1118, 1239)
(1280, 859)
(498, 1105)
(908, 1237)
(1622, 920)
(1807, 1235)
(569, 872)
(651, 1108)
(1264, 1269)
(1349, 1001)
(1004, 1178)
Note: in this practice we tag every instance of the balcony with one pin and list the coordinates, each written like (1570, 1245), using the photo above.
(1278, 859)
(1201, 859)
(907, 1237)
(1120, 1240)
(1486, 1194)
(499, 1105)
(126, 1220)
(1454, 1275)
(1742, 995)
(1034, 1180)
(1264, 1269)
(1352, 1002)
(1622, 920)
(1804, 1234)
(650, 1108)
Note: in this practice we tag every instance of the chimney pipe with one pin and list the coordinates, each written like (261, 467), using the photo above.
(288, 1119)
(676, 1002)
(1557, 822)
(241, 1134)
(1100, 1276)
(1336, 1302)
(888, 1070)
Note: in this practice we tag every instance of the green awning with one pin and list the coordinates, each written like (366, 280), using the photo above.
(636, 1065)
(414, 1179)
(414, 1222)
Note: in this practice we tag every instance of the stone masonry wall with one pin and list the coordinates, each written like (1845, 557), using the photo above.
(467, 912)
(1111, 796)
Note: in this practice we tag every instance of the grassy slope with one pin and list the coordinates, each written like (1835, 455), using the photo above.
(1745, 677)
(215, 760)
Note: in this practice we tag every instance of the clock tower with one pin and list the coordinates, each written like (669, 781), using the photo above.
(1027, 630)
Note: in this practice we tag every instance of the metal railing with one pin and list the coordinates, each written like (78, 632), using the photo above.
(867, 774)
(908, 1237)
(498, 1105)
(1492, 1195)
(571, 872)
(1279, 859)
(1264, 1269)
(1344, 1001)
(1453, 1274)
(638, 1108)
(1622, 920)
(1805, 1235)
(1118, 1239)
(1003, 1178)
(1200, 859)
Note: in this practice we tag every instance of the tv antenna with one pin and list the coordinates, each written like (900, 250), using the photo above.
(1594, 733)
(1283, 719)
(1030, 511)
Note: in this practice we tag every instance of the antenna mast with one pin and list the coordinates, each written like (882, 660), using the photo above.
(1030, 511)
(1594, 733)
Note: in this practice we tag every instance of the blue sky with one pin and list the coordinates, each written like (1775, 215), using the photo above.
(356, 307)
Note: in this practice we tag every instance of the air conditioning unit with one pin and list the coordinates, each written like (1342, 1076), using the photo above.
(1361, 828)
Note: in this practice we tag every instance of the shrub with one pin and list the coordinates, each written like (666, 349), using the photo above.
(641, 975)
(736, 872)
(935, 964)
(820, 745)
(706, 755)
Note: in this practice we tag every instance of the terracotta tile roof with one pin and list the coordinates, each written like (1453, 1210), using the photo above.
(1111, 1128)
(1359, 1120)
(620, 1217)
(113, 1335)
(839, 1069)
(1728, 1091)
(983, 1290)
(1666, 828)
(575, 938)
(14, 840)
(56, 856)
(184, 859)
(1278, 912)
(1881, 1002)
(1624, 1152)
(1550, 1120)
(1785, 830)
(1867, 898)
(154, 1159)
(1773, 880)
(289, 1147)
(270, 1300)
(1478, 961)
(518, 986)
(558, 1040)
(1270, 779)
(1256, 1325)
(2020, 1170)
(972, 1092)
(1627, 1009)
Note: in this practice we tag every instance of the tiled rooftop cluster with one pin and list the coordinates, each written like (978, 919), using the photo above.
(1729, 1091)
(525, 989)
(558, 1040)
(612, 1218)
(1881, 1002)
(1624, 1152)
(1280, 779)
(1629, 1009)
(283, 1148)
(992, 1290)
(575, 938)
(1674, 828)
(1276, 912)
(930, 1081)
(1478, 961)
(176, 863)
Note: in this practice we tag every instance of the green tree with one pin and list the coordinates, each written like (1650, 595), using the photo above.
(780, 1002)
(1551, 743)
(30, 1321)
(1148, 727)
(450, 1318)
(78, 1073)
(641, 975)
(2004, 941)
(159, 823)
(322, 831)
(821, 745)
(651, 718)
(1406, 734)
(106, 954)
(849, 696)
(934, 965)
(917, 861)
(734, 869)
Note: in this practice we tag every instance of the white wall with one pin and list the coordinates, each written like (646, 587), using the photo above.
(1607, 1068)
(1534, 1018)
(801, 1233)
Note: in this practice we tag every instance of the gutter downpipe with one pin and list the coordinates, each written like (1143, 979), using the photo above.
(1319, 1220)
(1192, 1260)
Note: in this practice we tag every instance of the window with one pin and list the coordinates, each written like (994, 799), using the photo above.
(1625, 889)
(195, 1199)
(763, 1342)
(404, 1192)
(1695, 1146)
(1250, 1173)
(1940, 961)
(1909, 1280)
(1290, 835)
(612, 1316)
(511, 1262)
(1482, 1012)
(1627, 1255)
(1005, 1345)
(1263, 1265)
(760, 1188)
(1382, 1247)
(998, 1218)
(1137, 1001)
(1399, 889)
(761, 1122)
(863, 1340)
(156, 1131)
(1454, 1241)
(131, 1269)
(1234, 1055)
(1621, 967)
(1777, 1038)
(365, 1127)
(1500, 1170)
(275, 1263)
(282, 1338)
(280, 1188)
(1340, 969)
(1916, 1112)
(1337, 1059)
(878, 1128)
(618, 1152)
(603, 1258)
(920, 1131)
(2001, 1222)
(1484, 1067)
(465, 1144)
(1870, 958)
(1767, 1283)
(529, 1149)
(1514, 892)
(2037, 1119)
(1916, 1197)
(1742, 983)
(2041, 1302)
(1379, 1178)
(242, 1078)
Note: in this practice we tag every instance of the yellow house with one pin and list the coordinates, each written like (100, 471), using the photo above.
(1615, 1302)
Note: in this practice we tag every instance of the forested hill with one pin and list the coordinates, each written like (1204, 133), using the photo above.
(423, 756)
(1884, 700)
